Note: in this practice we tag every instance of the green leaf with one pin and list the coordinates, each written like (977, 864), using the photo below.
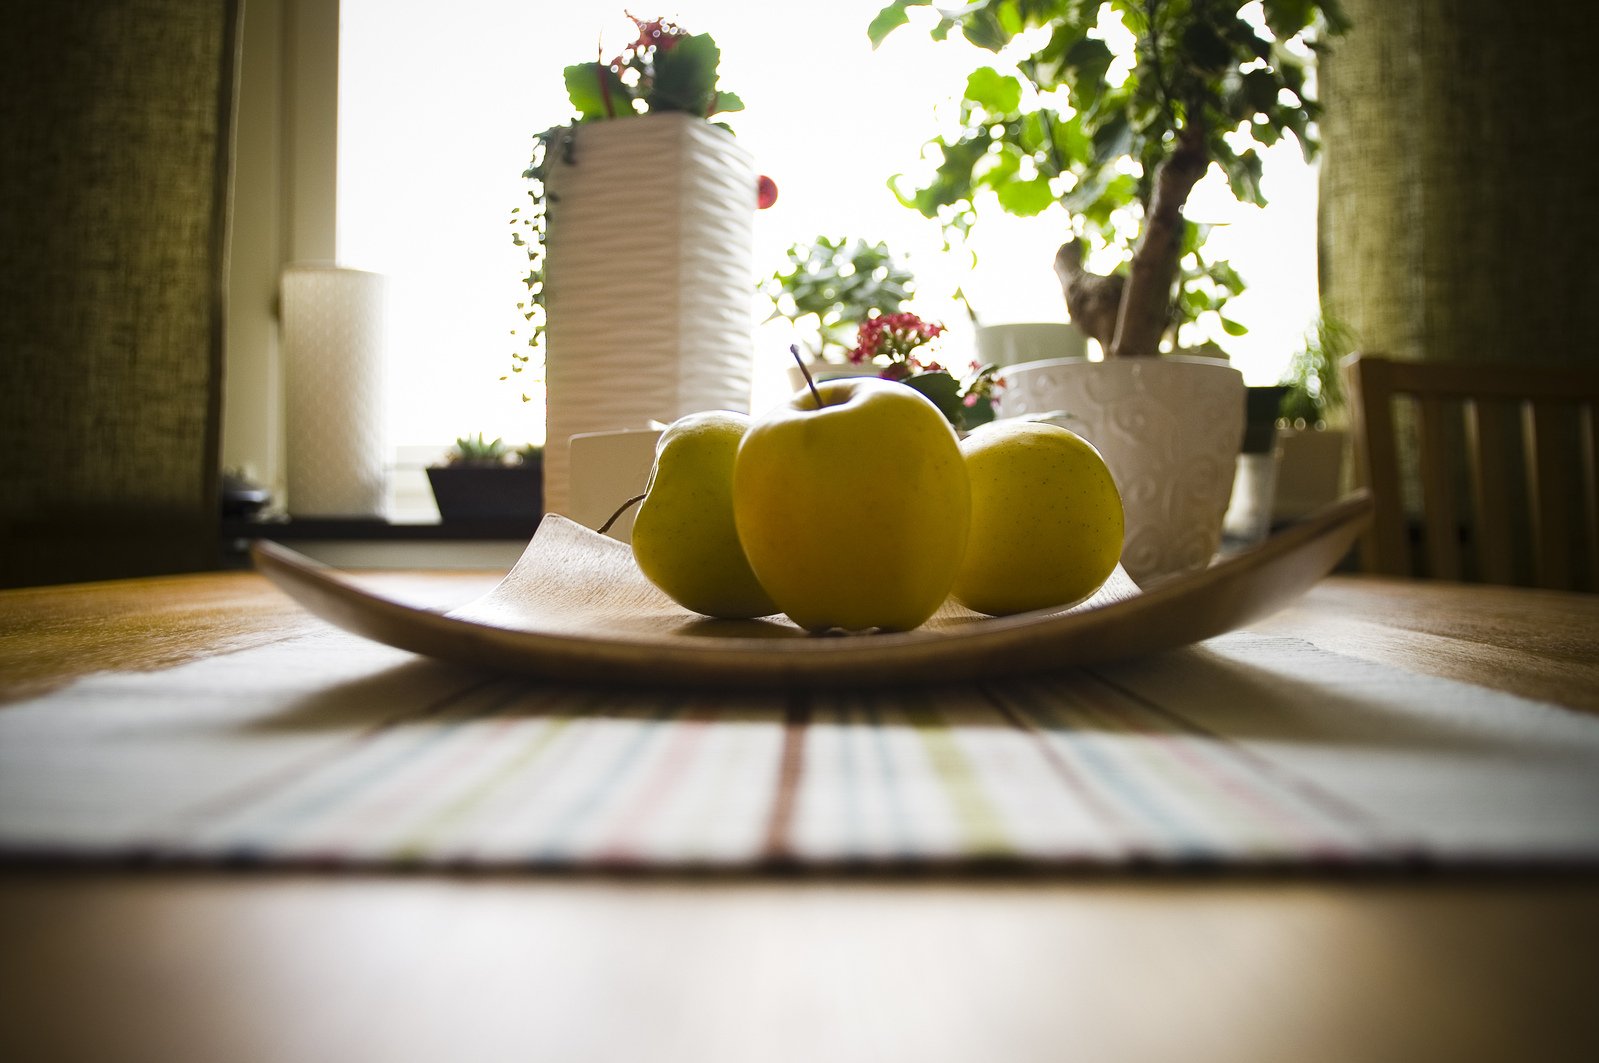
(999, 94)
(1260, 89)
(685, 76)
(1090, 57)
(1265, 133)
(1287, 17)
(1233, 328)
(890, 19)
(1112, 140)
(979, 412)
(1224, 274)
(1243, 176)
(999, 168)
(726, 102)
(943, 389)
(1203, 48)
(596, 91)
(983, 28)
(1026, 198)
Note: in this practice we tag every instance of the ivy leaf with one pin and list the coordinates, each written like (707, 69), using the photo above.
(999, 94)
(596, 91)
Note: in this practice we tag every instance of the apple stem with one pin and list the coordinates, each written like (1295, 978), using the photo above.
(795, 351)
(623, 508)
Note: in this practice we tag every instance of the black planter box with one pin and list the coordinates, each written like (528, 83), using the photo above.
(474, 493)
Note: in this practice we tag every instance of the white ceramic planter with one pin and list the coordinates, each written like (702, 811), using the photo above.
(1311, 472)
(1170, 430)
(1012, 343)
(649, 270)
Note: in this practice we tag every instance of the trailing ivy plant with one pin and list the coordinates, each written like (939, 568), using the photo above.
(831, 284)
(664, 69)
(1315, 388)
(1121, 138)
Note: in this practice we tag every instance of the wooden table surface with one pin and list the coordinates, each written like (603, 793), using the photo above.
(132, 964)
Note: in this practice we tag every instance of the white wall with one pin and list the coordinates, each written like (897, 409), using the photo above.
(284, 191)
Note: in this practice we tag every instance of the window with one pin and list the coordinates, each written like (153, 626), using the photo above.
(438, 104)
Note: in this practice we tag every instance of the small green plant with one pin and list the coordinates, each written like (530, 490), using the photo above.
(830, 285)
(664, 69)
(478, 451)
(530, 454)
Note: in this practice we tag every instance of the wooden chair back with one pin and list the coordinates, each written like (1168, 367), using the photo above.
(1480, 472)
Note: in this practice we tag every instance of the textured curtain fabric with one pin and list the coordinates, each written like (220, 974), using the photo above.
(1457, 215)
(115, 123)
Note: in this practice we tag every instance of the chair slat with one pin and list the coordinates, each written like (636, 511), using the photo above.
(1551, 508)
(1590, 494)
(1494, 498)
(1386, 548)
(1441, 530)
(1532, 477)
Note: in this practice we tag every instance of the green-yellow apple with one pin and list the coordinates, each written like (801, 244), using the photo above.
(684, 539)
(1046, 519)
(852, 505)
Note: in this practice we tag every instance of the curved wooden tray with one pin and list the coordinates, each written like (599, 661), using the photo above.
(576, 607)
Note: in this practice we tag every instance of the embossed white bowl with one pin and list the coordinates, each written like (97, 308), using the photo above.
(1170, 430)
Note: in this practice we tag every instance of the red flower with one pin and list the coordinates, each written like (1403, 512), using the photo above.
(894, 336)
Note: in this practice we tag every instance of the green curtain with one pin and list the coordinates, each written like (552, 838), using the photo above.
(115, 116)
(1457, 216)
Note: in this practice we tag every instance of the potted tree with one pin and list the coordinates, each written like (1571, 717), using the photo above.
(1119, 138)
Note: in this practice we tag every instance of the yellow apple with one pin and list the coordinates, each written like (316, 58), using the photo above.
(684, 539)
(852, 505)
(1046, 519)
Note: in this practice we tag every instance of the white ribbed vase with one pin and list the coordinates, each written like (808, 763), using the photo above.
(1170, 430)
(332, 341)
(649, 268)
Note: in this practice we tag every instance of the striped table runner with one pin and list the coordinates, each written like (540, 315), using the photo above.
(1245, 752)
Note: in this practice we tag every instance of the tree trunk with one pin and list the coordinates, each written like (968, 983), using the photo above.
(1092, 301)
(1146, 304)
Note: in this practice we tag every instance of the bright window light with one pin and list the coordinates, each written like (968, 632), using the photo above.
(438, 103)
